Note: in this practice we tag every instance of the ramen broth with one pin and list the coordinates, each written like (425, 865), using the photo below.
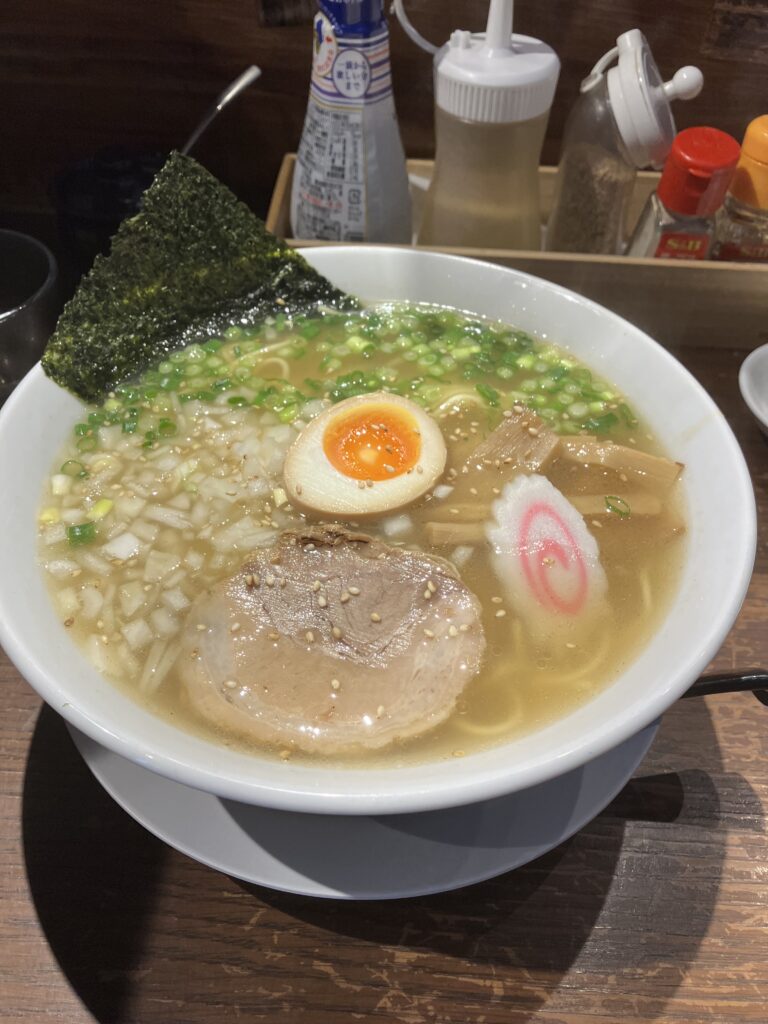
(164, 490)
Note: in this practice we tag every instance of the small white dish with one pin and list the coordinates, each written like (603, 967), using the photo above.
(753, 383)
(331, 855)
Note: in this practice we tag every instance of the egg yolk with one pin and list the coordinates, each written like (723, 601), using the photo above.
(374, 442)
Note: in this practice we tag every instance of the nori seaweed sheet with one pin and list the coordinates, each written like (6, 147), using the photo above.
(194, 261)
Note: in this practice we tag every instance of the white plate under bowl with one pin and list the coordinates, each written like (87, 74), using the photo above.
(352, 857)
(753, 383)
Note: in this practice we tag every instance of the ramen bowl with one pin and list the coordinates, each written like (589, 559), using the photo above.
(718, 562)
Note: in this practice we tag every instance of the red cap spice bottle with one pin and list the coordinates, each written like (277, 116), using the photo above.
(678, 221)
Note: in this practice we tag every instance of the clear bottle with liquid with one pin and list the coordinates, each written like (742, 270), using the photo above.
(621, 122)
(493, 94)
(742, 224)
(350, 183)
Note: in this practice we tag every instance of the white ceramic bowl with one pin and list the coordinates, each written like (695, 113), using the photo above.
(721, 544)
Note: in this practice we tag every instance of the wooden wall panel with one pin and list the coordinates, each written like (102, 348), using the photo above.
(79, 74)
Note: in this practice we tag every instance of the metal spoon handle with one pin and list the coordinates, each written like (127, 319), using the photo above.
(233, 89)
(752, 679)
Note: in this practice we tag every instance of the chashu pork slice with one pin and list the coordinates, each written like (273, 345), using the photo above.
(332, 642)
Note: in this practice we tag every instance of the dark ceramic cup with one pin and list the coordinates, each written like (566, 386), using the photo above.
(29, 305)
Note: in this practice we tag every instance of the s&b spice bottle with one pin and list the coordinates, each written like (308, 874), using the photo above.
(678, 221)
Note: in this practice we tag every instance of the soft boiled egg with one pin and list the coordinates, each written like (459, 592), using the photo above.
(366, 455)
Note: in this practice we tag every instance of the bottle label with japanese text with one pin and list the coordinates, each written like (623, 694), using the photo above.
(349, 130)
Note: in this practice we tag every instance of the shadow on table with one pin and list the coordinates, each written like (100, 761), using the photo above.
(92, 871)
(553, 933)
(584, 904)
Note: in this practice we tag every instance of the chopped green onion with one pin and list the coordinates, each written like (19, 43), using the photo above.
(82, 533)
(166, 428)
(87, 444)
(491, 395)
(74, 468)
(617, 505)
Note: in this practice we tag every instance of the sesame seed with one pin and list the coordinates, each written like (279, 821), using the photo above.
(273, 636)
(251, 580)
(68, 622)
(322, 601)
(388, 468)
(298, 488)
(337, 632)
(369, 483)
(201, 626)
(335, 684)
(361, 484)
(497, 600)
(285, 755)
(597, 523)
(316, 586)
(452, 631)
(458, 753)
(270, 581)
(500, 613)
(380, 710)
(375, 617)
(354, 591)
(453, 511)
(496, 491)
(623, 477)
(309, 636)
(428, 633)
(431, 586)
(473, 490)
(234, 627)
(419, 469)
(427, 595)
(230, 684)
(464, 628)
(283, 581)
(570, 646)
(344, 597)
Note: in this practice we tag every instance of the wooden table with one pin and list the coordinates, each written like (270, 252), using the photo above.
(656, 911)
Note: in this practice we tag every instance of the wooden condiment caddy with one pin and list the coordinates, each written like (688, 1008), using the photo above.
(678, 302)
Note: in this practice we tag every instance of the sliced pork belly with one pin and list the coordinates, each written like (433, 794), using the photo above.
(332, 642)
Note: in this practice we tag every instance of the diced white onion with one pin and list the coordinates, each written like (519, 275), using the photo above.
(396, 526)
(163, 622)
(92, 600)
(175, 599)
(167, 516)
(132, 596)
(61, 567)
(137, 634)
(61, 484)
(67, 601)
(159, 564)
(55, 534)
(124, 546)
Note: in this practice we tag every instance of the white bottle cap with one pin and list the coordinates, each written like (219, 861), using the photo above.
(641, 100)
(498, 77)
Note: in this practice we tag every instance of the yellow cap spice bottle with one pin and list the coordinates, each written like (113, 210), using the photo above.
(741, 232)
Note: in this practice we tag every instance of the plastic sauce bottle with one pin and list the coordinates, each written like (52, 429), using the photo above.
(678, 222)
(493, 94)
(350, 182)
(621, 122)
(741, 231)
